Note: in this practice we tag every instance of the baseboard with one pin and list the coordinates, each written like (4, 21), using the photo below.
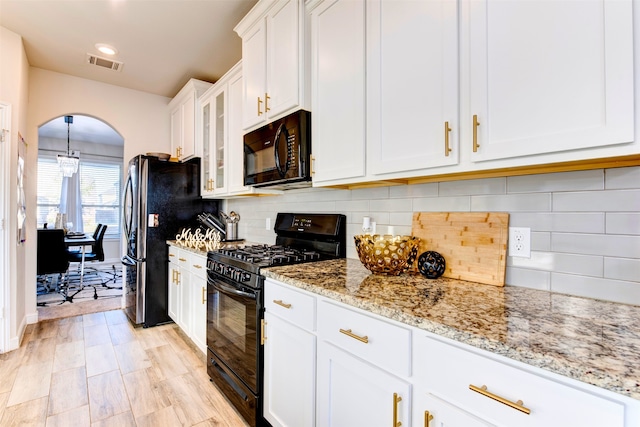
(14, 342)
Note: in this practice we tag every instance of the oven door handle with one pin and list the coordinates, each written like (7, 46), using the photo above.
(232, 291)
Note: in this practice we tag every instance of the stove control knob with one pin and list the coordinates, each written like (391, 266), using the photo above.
(246, 277)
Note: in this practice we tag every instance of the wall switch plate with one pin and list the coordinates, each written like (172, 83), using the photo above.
(267, 224)
(520, 242)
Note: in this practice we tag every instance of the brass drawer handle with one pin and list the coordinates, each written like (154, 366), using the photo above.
(447, 131)
(259, 104)
(263, 338)
(427, 418)
(313, 161)
(197, 266)
(172, 255)
(266, 102)
(280, 303)
(203, 291)
(476, 123)
(515, 405)
(347, 332)
(182, 259)
(396, 400)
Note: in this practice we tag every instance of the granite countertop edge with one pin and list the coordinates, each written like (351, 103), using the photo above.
(541, 359)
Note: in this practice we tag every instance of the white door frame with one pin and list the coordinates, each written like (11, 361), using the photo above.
(5, 167)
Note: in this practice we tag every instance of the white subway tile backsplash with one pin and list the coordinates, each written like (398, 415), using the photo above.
(579, 222)
(622, 178)
(598, 288)
(564, 181)
(370, 193)
(585, 240)
(540, 241)
(392, 205)
(587, 265)
(413, 191)
(623, 223)
(536, 279)
(598, 201)
(622, 269)
(596, 244)
(473, 187)
(512, 203)
(442, 204)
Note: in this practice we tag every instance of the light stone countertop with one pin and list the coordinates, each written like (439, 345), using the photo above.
(592, 341)
(201, 248)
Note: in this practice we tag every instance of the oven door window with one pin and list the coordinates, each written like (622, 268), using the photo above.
(233, 317)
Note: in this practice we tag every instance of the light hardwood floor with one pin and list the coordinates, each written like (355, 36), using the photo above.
(97, 370)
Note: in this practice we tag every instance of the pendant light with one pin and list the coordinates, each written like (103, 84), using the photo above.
(68, 164)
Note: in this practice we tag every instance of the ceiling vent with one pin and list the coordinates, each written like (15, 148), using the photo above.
(99, 61)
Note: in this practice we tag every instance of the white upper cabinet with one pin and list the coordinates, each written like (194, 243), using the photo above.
(338, 90)
(273, 62)
(412, 85)
(548, 76)
(185, 121)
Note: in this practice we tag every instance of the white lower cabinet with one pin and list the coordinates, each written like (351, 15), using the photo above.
(289, 357)
(352, 392)
(373, 371)
(187, 304)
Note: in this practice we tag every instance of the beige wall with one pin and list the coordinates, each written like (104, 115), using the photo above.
(14, 76)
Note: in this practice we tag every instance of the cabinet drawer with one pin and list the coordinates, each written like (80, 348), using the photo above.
(198, 265)
(290, 305)
(448, 371)
(174, 254)
(374, 340)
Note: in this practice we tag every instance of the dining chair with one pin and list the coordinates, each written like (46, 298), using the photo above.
(52, 259)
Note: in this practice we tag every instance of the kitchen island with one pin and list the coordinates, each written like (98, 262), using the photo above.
(592, 341)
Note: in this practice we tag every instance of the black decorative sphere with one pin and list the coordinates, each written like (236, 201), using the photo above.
(431, 264)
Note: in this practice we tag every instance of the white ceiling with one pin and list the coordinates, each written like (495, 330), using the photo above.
(162, 43)
(83, 128)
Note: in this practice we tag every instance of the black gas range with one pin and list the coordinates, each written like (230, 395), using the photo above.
(235, 305)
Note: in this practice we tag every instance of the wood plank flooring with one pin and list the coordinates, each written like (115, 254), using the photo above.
(96, 370)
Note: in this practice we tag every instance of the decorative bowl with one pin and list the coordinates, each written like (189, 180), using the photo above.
(390, 255)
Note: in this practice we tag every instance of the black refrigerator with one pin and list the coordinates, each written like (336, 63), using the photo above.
(160, 198)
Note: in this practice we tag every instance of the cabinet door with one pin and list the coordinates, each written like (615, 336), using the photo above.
(412, 85)
(283, 57)
(199, 301)
(235, 142)
(208, 150)
(254, 63)
(219, 157)
(174, 296)
(429, 411)
(289, 374)
(549, 76)
(176, 131)
(338, 90)
(188, 127)
(185, 301)
(352, 392)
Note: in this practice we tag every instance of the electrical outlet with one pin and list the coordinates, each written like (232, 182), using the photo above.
(267, 224)
(520, 242)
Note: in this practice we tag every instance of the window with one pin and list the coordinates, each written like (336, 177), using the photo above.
(99, 189)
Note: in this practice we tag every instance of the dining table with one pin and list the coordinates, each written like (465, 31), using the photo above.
(79, 240)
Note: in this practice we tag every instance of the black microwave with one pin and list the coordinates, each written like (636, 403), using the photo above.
(278, 154)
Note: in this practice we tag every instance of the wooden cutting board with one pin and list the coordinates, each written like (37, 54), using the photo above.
(473, 244)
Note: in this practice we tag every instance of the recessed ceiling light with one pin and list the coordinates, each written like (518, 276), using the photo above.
(106, 49)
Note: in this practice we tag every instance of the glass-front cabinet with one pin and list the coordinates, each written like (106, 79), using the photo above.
(214, 130)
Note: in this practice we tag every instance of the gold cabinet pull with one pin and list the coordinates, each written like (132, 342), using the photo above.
(172, 255)
(447, 131)
(177, 277)
(313, 160)
(515, 405)
(263, 338)
(396, 400)
(476, 123)
(203, 291)
(347, 332)
(280, 303)
(259, 104)
(182, 259)
(266, 102)
(427, 418)
(197, 266)
(173, 276)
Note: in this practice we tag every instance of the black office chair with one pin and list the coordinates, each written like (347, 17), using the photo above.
(52, 260)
